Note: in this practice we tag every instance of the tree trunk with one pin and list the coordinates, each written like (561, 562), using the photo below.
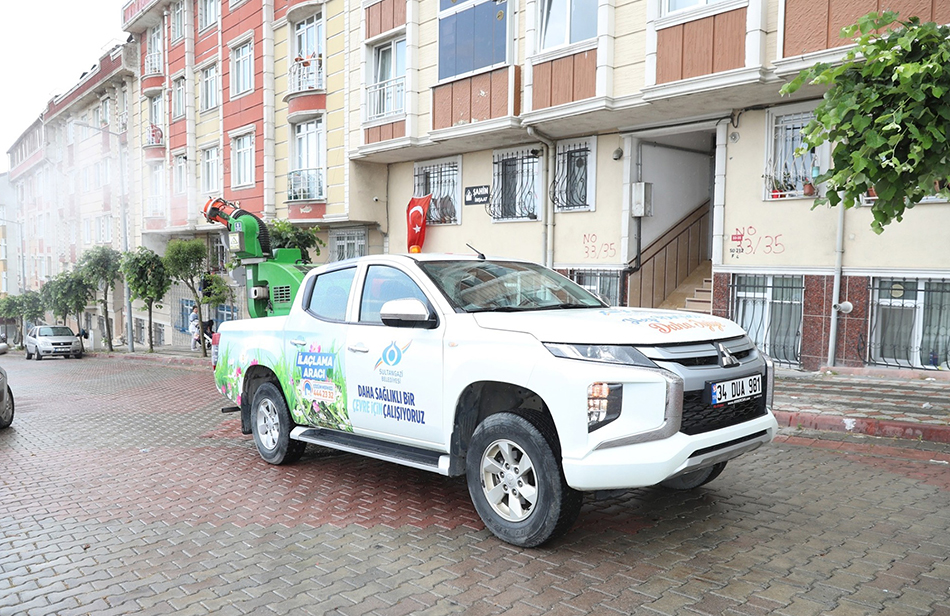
(105, 310)
(79, 327)
(151, 347)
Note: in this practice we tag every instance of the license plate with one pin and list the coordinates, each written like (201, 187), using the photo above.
(737, 389)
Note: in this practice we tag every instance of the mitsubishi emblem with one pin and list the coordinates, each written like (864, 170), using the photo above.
(726, 359)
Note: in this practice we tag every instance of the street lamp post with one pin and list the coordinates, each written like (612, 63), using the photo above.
(125, 233)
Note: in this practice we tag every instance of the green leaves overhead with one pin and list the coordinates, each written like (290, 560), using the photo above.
(885, 114)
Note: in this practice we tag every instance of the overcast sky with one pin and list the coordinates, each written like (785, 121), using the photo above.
(44, 48)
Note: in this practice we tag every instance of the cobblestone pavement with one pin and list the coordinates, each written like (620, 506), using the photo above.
(126, 491)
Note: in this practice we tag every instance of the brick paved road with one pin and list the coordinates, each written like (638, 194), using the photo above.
(125, 491)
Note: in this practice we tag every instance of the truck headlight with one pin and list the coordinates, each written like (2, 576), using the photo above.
(607, 353)
(604, 401)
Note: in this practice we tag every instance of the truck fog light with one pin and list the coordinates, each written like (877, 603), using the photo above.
(604, 401)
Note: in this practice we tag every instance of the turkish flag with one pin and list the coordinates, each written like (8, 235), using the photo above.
(416, 221)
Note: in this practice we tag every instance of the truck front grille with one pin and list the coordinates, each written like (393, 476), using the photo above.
(699, 416)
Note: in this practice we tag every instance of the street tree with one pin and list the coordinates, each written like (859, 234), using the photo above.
(886, 115)
(185, 262)
(10, 310)
(283, 234)
(148, 280)
(100, 268)
(51, 294)
(76, 292)
(31, 307)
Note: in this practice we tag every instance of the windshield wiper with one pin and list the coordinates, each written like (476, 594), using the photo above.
(506, 309)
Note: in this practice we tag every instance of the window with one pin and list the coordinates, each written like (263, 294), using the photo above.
(441, 179)
(347, 244)
(330, 294)
(106, 109)
(603, 283)
(670, 6)
(516, 185)
(306, 177)
(178, 98)
(567, 21)
(242, 76)
(181, 169)
(104, 229)
(472, 36)
(386, 95)
(209, 87)
(383, 284)
(242, 160)
(210, 169)
(575, 175)
(787, 175)
(207, 13)
(153, 55)
(306, 71)
(87, 231)
(156, 196)
(769, 308)
(910, 323)
(178, 20)
(158, 334)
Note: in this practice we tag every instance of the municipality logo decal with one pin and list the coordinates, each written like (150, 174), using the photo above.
(392, 355)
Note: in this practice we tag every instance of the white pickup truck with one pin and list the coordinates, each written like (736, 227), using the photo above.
(501, 370)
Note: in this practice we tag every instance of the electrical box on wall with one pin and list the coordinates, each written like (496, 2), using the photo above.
(641, 199)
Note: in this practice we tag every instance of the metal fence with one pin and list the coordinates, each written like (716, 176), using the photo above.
(910, 323)
(769, 308)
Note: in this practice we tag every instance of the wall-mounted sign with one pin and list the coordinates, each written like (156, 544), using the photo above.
(476, 195)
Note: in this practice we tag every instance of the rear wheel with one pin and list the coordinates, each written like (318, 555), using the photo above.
(37, 355)
(689, 481)
(516, 482)
(28, 354)
(6, 410)
(271, 425)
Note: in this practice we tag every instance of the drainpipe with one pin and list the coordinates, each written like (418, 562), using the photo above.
(270, 194)
(719, 192)
(547, 231)
(836, 290)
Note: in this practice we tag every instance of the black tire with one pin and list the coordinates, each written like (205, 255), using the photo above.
(37, 355)
(28, 354)
(6, 411)
(545, 507)
(691, 481)
(271, 425)
(78, 355)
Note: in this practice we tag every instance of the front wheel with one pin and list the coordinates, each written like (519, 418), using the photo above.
(271, 425)
(516, 482)
(6, 410)
(37, 355)
(28, 354)
(689, 481)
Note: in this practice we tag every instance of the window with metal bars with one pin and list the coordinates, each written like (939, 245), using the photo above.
(786, 173)
(440, 178)
(910, 323)
(347, 244)
(769, 308)
(516, 185)
(573, 185)
(602, 282)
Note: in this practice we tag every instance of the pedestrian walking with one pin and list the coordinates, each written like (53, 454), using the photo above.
(194, 328)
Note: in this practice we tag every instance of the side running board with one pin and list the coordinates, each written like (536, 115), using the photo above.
(406, 455)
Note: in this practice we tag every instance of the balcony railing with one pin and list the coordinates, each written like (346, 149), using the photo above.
(153, 63)
(306, 73)
(303, 184)
(154, 135)
(122, 120)
(386, 98)
(156, 206)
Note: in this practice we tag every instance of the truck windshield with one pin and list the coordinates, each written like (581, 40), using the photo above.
(506, 286)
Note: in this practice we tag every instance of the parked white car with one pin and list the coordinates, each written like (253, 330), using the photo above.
(6, 401)
(52, 341)
(500, 370)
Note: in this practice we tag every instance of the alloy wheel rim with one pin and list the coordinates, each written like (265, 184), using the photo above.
(509, 480)
(268, 425)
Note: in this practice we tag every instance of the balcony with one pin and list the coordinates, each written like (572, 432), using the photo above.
(306, 74)
(155, 206)
(154, 143)
(386, 99)
(153, 79)
(305, 185)
(153, 63)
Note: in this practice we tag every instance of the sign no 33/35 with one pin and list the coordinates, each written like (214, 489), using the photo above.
(594, 249)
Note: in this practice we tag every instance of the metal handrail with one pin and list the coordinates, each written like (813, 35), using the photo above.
(305, 184)
(153, 63)
(386, 98)
(306, 73)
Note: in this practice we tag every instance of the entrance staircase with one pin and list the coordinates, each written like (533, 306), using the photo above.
(695, 293)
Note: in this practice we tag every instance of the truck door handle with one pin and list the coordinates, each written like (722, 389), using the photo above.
(358, 348)
(298, 342)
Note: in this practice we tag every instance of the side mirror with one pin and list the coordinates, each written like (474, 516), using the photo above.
(408, 312)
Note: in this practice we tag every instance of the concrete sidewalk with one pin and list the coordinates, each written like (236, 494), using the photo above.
(906, 404)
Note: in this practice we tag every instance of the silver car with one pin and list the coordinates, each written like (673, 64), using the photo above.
(52, 341)
(6, 401)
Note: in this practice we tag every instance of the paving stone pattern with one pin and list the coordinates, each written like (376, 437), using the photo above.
(126, 491)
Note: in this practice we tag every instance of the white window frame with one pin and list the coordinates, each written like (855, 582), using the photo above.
(766, 295)
(242, 68)
(451, 192)
(210, 169)
(563, 183)
(178, 97)
(568, 19)
(346, 239)
(177, 20)
(209, 87)
(519, 153)
(510, 43)
(180, 174)
(208, 18)
(297, 178)
(775, 186)
(242, 144)
(386, 98)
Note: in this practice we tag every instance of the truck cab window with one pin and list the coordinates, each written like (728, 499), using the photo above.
(330, 294)
(383, 284)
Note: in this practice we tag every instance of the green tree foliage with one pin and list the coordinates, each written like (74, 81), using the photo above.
(185, 262)
(31, 307)
(148, 280)
(886, 115)
(100, 268)
(10, 310)
(215, 291)
(52, 296)
(76, 291)
(284, 234)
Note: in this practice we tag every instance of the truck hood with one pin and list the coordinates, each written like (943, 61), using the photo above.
(636, 326)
